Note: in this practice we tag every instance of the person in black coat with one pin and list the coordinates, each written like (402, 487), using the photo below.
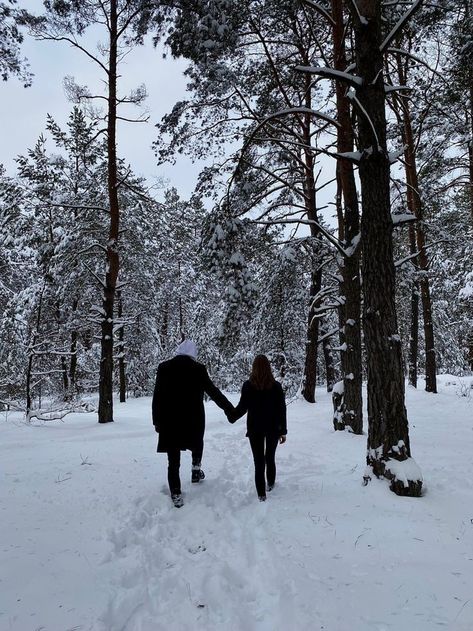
(262, 397)
(178, 412)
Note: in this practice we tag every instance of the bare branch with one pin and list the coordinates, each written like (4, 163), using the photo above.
(75, 44)
(133, 120)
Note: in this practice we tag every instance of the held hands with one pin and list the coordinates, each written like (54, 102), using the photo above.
(230, 414)
(282, 439)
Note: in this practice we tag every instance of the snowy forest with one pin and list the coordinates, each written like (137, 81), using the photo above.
(331, 158)
(330, 226)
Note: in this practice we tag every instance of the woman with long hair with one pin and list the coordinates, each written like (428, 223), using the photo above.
(262, 397)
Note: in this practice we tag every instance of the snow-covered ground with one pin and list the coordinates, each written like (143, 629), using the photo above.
(89, 539)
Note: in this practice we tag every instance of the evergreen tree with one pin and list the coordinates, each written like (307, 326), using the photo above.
(124, 23)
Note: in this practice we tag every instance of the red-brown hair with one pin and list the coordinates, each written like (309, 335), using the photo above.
(261, 376)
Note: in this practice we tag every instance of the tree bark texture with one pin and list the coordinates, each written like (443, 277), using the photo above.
(349, 408)
(388, 430)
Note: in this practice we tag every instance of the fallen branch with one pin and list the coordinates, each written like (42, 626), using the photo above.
(60, 413)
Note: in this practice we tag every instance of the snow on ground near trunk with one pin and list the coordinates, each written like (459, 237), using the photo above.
(89, 538)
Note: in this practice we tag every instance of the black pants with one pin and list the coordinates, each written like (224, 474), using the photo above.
(264, 450)
(174, 463)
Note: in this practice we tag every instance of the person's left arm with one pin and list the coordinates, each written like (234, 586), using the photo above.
(242, 406)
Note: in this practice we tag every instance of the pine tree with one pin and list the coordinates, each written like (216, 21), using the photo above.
(124, 23)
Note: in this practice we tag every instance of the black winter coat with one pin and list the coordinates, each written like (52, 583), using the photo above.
(266, 410)
(178, 402)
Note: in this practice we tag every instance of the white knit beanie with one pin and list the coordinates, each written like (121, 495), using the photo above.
(187, 347)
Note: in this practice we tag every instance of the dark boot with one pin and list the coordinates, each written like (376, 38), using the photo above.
(177, 500)
(197, 474)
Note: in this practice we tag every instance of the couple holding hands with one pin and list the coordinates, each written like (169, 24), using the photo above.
(179, 415)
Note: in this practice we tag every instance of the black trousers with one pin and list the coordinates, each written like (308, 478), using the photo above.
(264, 451)
(174, 463)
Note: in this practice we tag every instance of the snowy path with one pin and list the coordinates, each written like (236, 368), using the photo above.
(91, 541)
(218, 562)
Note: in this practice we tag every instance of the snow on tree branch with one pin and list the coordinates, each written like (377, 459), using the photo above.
(400, 24)
(331, 73)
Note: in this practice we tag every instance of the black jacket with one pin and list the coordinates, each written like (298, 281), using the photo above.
(178, 402)
(266, 410)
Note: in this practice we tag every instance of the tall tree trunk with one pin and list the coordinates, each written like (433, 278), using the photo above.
(348, 409)
(414, 335)
(105, 411)
(415, 206)
(310, 366)
(34, 339)
(388, 430)
(29, 369)
(121, 349)
(414, 321)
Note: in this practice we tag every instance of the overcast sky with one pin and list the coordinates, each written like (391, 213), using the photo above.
(23, 110)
